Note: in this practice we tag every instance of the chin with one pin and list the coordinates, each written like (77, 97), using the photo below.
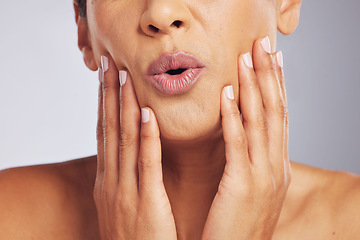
(190, 126)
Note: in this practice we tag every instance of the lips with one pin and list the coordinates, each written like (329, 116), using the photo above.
(174, 73)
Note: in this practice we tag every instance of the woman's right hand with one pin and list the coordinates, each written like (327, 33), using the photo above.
(129, 192)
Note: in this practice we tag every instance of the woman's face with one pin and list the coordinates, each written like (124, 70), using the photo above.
(215, 31)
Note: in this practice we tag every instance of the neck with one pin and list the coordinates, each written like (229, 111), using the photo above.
(193, 164)
(191, 174)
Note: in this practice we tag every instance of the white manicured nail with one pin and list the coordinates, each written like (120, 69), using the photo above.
(279, 57)
(101, 75)
(247, 60)
(145, 115)
(122, 77)
(104, 63)
(229, 92)
(265, 43)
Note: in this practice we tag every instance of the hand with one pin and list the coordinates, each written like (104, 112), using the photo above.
(129, 193)
(257, 171)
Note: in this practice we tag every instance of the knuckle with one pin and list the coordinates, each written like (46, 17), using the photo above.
(110, 127)
(233, 112)
(254, 84)
(127, 138)
(108, 83)
(281, 108)
(123, 192)
(240, 142)
(260, 122)
(233, 115)
(145, 164)
(230, 186)
(269, 67)
(123, 199)
(149, 135)
(123, 205)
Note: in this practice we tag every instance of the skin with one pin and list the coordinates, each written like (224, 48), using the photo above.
(216, 178)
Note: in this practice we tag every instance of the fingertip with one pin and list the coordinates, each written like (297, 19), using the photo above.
(122, 77)
(108, 74)
(149, 122)
(279, 58)
(247, 60)
(228, 103)
(229, 92)
(262, 47)
(145, 115)
(227, 97)
(265, 43)
(104, 63)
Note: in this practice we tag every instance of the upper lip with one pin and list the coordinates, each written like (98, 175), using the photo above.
(173, 61)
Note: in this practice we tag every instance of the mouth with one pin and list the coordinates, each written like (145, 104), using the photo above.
(175, 73)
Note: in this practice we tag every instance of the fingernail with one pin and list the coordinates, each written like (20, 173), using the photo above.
(104, 63)
(247, 60)
(145, 115)
(279, 57)
(122, 77)
(229, 92)
(265, 43)
(101, 74)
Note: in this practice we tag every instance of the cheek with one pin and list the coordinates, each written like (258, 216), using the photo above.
(237, 24)
(111, 31)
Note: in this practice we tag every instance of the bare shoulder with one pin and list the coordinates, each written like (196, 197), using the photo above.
(45, 201)
(344, 196)
(326, 202)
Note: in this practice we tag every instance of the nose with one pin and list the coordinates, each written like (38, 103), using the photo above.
(164, 17)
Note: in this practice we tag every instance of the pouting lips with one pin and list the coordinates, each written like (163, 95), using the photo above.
(173, 64)
(174, 73)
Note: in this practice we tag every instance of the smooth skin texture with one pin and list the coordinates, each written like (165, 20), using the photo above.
(195, 170)
(129, 192)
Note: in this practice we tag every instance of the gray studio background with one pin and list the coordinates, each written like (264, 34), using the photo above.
(48, 99)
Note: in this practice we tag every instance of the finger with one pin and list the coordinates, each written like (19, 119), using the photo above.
(149, 162)
(99, 129)
(236, 145)
(278, 62)
(129, 134)
(274, 105)
(111, 120)
(278, 56)
(251, 105)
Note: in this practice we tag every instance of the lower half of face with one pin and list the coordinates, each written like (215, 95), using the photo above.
(216, 32)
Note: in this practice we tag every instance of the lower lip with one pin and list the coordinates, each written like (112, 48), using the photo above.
(176, 84)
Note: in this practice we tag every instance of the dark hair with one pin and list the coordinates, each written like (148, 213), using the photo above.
(82, 8)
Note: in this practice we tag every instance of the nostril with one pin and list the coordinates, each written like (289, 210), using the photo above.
(153, 28)
(177, 23)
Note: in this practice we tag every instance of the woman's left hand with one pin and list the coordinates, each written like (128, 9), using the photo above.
(257, 171)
